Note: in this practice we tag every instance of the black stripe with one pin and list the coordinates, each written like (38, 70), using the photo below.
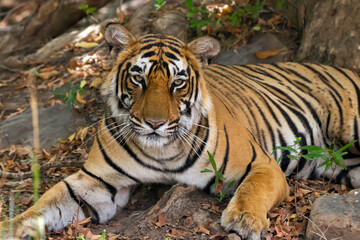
(226, 156)
(111, 163)
(357, 90)
(171, 56)
(117, 79)
(343, 175)
(87, 209)
(148, 54)
(108, 186)
(356, 134)
(248, 168)
(339, 108)
(285, 161)
(323, 79)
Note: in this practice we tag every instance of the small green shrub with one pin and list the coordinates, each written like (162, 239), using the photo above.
(219, 177)
(159, 4)
(69, 95)
(88, 10)
(223, 20)
(330, 156)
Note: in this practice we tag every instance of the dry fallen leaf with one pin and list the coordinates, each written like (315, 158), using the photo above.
(121, 16)
(203, 230)
(86, 44)
(266, 54)
(72, 137)
(47, 75)
(159, 221)
(80, 99)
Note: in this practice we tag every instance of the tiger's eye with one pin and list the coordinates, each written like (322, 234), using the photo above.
(138, 78)
(178, 81)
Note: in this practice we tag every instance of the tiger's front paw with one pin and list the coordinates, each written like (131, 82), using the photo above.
(247, 225)
(19, 229)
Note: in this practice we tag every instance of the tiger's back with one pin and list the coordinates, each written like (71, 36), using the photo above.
(280, 102)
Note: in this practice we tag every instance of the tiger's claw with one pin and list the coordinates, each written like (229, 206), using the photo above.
(245, 224)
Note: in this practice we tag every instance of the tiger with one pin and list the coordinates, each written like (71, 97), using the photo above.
(168, 109)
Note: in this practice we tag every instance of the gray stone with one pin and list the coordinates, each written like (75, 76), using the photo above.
(171, 23)
(335, 217)
(246, 54)
(55, 122)
(233, 236)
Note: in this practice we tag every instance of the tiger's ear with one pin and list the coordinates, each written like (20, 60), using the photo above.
(205, 48)
(118, 37)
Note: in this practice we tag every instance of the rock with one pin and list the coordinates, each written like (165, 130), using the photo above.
(57, 122)
(233, 236)
(246, 54)
(171, 23)
(331, 34)
(337, 217)
(183, 208)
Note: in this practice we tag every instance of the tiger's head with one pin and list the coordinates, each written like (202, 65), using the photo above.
(156, 90)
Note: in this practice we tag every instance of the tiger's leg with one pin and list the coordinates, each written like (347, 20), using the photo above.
(264, 187)
(73, 199)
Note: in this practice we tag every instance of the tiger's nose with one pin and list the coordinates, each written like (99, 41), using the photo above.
(154, 124)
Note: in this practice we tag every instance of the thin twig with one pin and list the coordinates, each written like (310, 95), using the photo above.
(43, 168)
(322, 235)
(304, 186)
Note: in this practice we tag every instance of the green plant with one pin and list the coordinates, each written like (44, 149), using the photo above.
(219, 177)
(71, 94)
(221, 18)
(330, 156)
(280, 3)
(103, 235)
(88, 10)
(159, 4)
(198, 17)
(81, 237)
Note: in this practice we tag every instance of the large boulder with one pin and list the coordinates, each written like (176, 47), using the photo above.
(335, 217)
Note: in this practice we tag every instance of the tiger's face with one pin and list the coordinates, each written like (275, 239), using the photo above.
(156, 90)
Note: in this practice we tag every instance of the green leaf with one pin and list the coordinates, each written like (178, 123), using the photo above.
(83, 7)
(212, 161)
(206, 170)
(321, 164)
(293, 157)
(82, 83)
(103, 235)
(288, 148)
(280, 3)
(91, 10)
(190, 14)
(315, 155)
(278, 161)
(308, 158)
(231, 183)
(256, 28)
(189, 4)
(346, 146)
(222, 196)
(81, 237)
(338, 157)
(297, 141)
(312, 148)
